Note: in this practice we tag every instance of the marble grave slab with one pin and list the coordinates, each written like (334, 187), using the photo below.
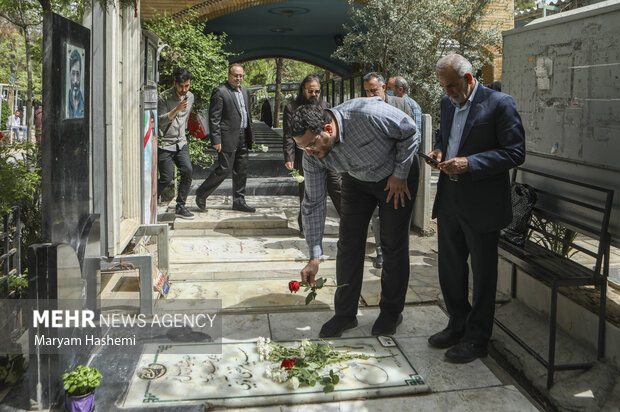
(235, 378)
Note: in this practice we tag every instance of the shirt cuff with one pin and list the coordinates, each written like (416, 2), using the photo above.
(401, 172)
(316, 252)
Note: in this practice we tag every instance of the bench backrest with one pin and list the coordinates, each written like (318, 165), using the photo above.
(570, 217)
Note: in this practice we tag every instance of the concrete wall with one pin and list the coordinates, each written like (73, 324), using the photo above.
(564, 73)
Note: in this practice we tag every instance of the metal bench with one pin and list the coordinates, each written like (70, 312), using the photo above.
(566, 213)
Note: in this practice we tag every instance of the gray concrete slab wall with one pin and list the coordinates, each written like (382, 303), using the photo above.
(564, 73)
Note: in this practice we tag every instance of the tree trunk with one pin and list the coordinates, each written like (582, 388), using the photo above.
(276, 112)
(29, 111)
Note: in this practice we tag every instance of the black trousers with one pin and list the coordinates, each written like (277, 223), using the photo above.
(334, 184)
(165, 161)
(457, 241)
(359, 200)
(237, 162)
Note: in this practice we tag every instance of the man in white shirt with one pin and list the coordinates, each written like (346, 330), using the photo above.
(14, 122)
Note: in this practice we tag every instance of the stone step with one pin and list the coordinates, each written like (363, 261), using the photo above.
(256, 186)
(264, 218)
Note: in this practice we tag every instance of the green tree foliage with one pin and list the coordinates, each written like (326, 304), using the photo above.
(12, 51)
(263, 71)
(188, 46)
(406, 38)
(524, 4)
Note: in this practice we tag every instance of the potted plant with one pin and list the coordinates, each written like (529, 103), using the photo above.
(80, 386)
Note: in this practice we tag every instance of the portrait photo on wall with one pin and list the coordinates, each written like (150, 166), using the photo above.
(74, 82)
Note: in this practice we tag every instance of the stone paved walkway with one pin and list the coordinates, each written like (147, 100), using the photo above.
(247, 261)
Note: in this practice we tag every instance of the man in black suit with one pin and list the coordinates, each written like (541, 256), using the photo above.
(481, 138)
(230, 123)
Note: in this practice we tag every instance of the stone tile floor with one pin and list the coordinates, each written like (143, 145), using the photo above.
(247, 262)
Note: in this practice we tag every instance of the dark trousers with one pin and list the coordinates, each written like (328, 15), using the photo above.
(237, 162)
(359, 200)
(180, 158)
(334, 184)
(457, 241)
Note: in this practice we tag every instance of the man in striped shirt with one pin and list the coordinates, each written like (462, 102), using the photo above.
(373, 145)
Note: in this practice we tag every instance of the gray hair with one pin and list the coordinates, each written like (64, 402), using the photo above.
(400, 81)
(456, 62)
(368, 77)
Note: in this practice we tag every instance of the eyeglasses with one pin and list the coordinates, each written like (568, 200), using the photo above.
(309, 146)
(236, 75)
(311, 91)
(373, 90)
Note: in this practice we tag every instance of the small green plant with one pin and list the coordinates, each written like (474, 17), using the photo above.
(561, 240)
(81, 381)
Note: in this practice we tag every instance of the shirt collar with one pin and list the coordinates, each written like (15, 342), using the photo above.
(338, 118)
(469, 100)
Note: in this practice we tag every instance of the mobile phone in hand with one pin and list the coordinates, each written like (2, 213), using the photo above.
(430, 159)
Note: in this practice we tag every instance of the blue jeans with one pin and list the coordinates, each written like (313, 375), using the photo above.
(16, 129)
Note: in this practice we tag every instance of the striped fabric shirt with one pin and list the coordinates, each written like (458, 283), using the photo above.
(417, 114)
(376, 140)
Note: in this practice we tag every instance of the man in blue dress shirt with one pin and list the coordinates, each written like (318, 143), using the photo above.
(373, 145)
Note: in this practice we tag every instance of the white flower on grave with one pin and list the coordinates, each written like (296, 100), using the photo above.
(293, 383)
(264, 148)
(276, 373)
(264, 348)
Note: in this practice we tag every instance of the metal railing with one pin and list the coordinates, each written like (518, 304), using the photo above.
(10, 250)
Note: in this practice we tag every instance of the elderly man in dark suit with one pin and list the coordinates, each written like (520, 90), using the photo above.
(481, 138)
(230, 123)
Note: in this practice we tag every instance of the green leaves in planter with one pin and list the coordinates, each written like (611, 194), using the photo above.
(81, 381)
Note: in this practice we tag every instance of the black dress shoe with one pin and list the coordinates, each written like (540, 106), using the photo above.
(334, 327)
(243, 207)
(182, 212)
(466, 352)
(201, 203)
(386, 324)
(378, 262)
(446, 338)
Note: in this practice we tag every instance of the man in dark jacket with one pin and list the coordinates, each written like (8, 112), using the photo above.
(309, 92)
(230, 123)
(481, 138)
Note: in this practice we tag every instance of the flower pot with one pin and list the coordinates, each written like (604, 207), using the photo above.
(84, 403)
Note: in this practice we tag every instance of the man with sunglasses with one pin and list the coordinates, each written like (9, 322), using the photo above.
(309, 93)
(373, 145)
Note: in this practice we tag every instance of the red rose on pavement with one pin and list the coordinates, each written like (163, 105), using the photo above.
(293, 286)
(288, 363)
